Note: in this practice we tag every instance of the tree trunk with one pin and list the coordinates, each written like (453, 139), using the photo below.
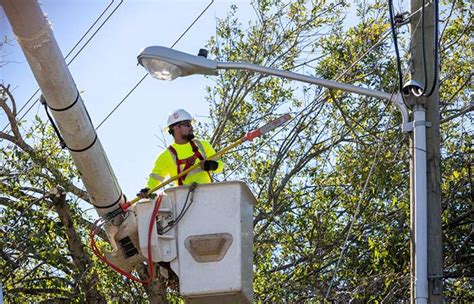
(156, 290)
(87, 280)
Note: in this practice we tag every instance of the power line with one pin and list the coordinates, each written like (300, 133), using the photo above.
(98, 29)
(141, 80)
(393, 25)
(436, 43)
(395, 44)
(71, 51)
(73, 48)
(121, 101)
(143, 77)
(146, 75)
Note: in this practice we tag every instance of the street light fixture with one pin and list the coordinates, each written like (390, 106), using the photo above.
(167, 64)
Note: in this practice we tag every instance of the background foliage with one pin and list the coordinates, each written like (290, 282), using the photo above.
(332, 220)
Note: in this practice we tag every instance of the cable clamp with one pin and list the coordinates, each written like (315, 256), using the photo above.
(399, 19)
(193, 187)
(410, 126)
(62, 109)
(110, 205)
(112, 214)
(58, 134)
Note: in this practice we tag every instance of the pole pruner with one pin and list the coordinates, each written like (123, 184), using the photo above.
(248, 137)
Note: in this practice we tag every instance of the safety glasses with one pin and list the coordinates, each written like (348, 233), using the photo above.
(185, 123)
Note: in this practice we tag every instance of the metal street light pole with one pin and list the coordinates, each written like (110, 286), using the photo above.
(167, 64)
(424, 68)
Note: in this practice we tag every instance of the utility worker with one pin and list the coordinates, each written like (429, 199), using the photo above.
(184, 152)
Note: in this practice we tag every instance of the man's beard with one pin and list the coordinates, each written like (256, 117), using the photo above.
(189, 136)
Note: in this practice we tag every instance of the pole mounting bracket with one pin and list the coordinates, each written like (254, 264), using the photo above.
(410, 126)
(437, 284)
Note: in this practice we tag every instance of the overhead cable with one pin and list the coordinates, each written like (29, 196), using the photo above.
(141, 80)
(72, 50)
(395, 45)
(146, 75)
(436, 44)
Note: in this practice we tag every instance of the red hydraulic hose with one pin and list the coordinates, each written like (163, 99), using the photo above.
(98, 225)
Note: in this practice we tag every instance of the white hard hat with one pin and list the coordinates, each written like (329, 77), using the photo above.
(177, 116)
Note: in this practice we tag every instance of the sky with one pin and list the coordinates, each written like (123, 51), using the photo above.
(106, 70)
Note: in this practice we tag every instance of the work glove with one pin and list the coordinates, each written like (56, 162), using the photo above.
(209, 165)
(143, 193)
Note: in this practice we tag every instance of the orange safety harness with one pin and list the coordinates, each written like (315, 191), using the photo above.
(187, 162)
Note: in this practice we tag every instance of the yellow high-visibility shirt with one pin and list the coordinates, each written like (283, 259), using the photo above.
(166, 167)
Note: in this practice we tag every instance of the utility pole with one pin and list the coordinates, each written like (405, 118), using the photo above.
(431, 104)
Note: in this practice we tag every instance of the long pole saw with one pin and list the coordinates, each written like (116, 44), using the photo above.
(248, 137)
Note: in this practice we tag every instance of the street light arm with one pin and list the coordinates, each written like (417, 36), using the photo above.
(395, 98)
(304, 78)
(167, 64)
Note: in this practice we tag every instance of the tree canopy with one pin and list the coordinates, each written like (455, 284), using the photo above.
(332, 221)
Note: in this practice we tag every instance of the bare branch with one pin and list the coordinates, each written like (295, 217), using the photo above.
(461, 112)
